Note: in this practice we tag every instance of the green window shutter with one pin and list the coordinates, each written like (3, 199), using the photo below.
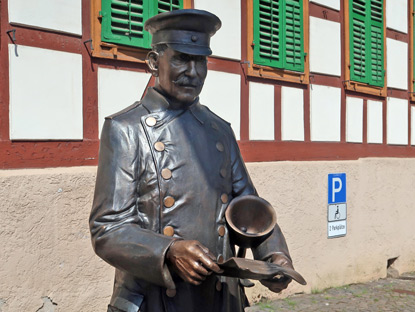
(168, 5)
(366, 43)
(376, 44)
(123, 20)
(278, 34)
(294, 50)
(267, 29)
(358, 18)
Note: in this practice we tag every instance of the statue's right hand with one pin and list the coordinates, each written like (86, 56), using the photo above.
(192, 261)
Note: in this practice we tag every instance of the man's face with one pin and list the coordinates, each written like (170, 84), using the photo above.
(180, 75)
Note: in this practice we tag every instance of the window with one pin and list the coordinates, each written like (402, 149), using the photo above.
(123, 20)
(118, 26)
(366, 64)
(278, 34)
(276, 42)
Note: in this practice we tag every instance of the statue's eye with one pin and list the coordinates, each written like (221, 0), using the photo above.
(184, 57)
(201, 58)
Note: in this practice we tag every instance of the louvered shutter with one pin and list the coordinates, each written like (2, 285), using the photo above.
(376, 43)
(267, 39)
(123, 20)
(168, 5)
(358, 41)
(294, 55)
(278, 34)
(366, 42)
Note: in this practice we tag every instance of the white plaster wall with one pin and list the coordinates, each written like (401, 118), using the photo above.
(325, 53)
(354, 119)
(118, 89)
(46, 248)
(334, 4)
(227, 41)
(292, 114)
(374, 122)
(397, 121)
(222, 94)
(261, 111)
(45, 94)
(325, 113)
(397, 64)
(397, 15)
(57, 15)
(412, 125)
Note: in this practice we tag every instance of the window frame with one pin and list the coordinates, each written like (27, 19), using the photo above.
(115, 51)
(357, 86)
(269, 72)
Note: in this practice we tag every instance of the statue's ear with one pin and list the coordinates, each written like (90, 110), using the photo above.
(153, 62)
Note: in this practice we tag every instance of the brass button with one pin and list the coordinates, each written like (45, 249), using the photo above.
(159, 146)
(194, 38)
(222, 172)
(221, 230)
(224, 198)
(151, 121)
(168, 201)
(218, 285)
(220, 259)
(220, 147)
(166, 173)
(168, 231)
(171, 293)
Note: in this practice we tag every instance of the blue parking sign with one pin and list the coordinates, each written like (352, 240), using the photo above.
(337, 188)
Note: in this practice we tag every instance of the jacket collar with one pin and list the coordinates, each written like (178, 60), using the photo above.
(155, 102)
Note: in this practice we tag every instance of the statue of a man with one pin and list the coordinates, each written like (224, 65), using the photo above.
(168, 168)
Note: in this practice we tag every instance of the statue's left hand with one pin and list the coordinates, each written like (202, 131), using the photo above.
(278, 284)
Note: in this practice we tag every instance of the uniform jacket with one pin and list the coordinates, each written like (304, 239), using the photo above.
(163, 175)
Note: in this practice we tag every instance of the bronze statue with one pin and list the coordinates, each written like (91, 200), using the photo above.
(168, 168)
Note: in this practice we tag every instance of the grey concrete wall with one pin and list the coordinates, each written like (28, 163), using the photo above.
(47, 262)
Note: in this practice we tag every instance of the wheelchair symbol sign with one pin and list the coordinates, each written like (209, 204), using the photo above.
(337, 212)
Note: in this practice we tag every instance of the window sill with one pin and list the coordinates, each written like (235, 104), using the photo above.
(278, 74)
(118, 52)
(365, 88)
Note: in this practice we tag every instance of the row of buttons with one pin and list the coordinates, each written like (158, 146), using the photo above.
(224, 199)
(165, 173)
(169, 201)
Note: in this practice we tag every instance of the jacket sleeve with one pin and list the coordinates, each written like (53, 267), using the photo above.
(116, 236)
(242, 185)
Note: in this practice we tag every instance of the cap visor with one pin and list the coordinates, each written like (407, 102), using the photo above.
(190, 49)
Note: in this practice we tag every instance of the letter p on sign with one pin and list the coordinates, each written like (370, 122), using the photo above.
(336, 188)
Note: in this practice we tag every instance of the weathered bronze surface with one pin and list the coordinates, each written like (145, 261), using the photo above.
(164, 231)
(258, 270)
(251, 219)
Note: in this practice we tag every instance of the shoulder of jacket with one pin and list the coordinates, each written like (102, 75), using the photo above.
(216, 117)
(125, 111)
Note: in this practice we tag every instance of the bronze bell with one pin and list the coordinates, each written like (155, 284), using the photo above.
(250, 219)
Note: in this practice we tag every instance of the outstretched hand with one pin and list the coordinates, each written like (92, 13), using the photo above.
(277, 284)
(192, 261)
